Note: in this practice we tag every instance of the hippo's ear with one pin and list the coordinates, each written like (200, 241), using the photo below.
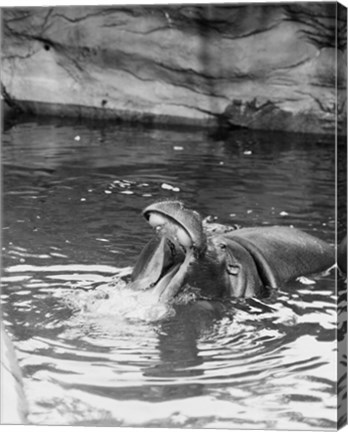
(240, 272)
(153, 258)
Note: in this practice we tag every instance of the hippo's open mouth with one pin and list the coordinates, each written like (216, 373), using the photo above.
(164, 263)
(172, 277)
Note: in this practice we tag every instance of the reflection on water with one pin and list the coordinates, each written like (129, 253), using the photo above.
(94, 353)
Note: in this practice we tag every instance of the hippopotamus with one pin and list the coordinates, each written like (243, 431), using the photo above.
(243, 262)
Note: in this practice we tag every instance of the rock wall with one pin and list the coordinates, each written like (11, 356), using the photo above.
(277, 67)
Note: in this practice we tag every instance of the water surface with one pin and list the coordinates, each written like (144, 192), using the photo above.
(72, 229)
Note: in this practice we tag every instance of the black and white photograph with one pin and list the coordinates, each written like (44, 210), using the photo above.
(174, 215)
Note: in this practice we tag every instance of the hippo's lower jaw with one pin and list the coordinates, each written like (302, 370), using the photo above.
(171, 283)
(162, 269)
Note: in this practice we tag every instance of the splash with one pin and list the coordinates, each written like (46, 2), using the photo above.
(114, 299)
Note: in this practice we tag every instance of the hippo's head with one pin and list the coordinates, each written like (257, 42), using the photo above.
(183, 254)
(165, 262)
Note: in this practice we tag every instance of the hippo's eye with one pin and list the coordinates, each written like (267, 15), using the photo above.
(222, 246)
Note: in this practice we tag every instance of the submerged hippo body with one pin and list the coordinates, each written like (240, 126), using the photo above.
(238, 263)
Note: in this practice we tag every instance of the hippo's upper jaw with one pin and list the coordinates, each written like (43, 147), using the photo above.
(181, 225)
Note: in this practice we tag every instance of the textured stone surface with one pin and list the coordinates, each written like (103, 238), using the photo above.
(257, 66)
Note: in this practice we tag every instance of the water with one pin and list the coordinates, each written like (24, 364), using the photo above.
(94, 354)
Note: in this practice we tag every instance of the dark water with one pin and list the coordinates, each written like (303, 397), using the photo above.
(72, 197)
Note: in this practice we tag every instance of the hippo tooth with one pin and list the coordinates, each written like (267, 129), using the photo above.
(156, 220)
(183, 238)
